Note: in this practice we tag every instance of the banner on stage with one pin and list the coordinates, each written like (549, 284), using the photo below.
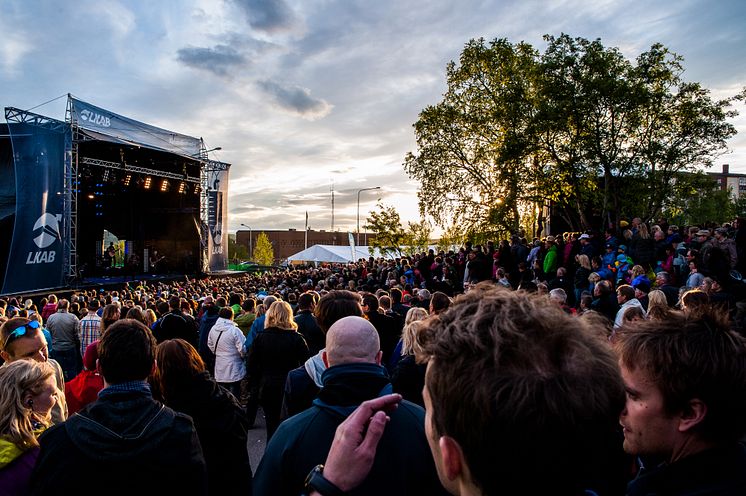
(217, 218)
(130, 131)
(36, 259)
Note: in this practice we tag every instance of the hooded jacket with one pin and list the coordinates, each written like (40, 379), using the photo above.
(128, 443)
(229, 363)
(301, 386)
(403, 464)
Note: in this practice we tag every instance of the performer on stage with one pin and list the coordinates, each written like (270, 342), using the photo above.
(156, 262)
(110, 256)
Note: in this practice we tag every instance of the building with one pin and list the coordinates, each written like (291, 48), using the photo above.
(288, 242)
(727, 181)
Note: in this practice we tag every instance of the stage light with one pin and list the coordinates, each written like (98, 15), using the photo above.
(182, 187)
(127, 179)
(197, 189)
(164, 186)
(148, 182)
(106, 175)
(91, 197)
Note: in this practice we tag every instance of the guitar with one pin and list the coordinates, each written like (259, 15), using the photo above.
(155, 261)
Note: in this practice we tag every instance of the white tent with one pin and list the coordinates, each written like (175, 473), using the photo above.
(332, 253)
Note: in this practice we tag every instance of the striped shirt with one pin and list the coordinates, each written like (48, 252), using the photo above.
(90, 330)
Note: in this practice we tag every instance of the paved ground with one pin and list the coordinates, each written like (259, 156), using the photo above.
(257, 440)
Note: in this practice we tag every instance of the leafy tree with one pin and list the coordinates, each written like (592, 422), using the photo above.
(473, 148)
(236, 251)
(698, 200)
(417, 237)
(579, 127)
(385, 222)
(264, 254)
(451, 238)
(392, 237)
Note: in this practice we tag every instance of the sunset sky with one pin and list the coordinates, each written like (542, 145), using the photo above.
(303, 94)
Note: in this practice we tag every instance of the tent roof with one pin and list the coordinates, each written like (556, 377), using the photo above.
(332, 253)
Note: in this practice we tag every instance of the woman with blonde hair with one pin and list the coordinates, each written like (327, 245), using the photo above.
(28, 391)
(275, 352)
(413, 314)
(408, 378)
(658, 308)
(150, 317)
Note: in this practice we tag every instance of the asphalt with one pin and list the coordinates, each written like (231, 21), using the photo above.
(257, 440)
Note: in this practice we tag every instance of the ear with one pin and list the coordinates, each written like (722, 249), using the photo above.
(693, 414)
(325, 358)
(452, 457)
(379, 357)
(5, 356)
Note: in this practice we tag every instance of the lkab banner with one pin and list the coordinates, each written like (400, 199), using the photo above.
(36, 258)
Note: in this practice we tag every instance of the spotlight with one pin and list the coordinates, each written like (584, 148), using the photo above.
(106, 175)
(182, 187)
(148, 182)
(127, 179)
(197, 189)
(164, 186)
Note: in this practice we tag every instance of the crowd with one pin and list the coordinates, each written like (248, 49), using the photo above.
(491, 368)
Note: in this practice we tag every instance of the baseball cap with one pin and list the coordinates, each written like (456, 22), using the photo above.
(584, 236)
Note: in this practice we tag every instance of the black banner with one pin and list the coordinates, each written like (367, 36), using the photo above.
(36, 259)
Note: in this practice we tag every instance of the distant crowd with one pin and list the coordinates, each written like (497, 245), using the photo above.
(580, 363)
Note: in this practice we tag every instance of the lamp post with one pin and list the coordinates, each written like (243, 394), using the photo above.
(358, 210)
(250, 253)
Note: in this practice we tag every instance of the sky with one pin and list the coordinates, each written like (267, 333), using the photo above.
(309, 96)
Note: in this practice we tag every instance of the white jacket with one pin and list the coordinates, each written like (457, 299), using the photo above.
(229, 363)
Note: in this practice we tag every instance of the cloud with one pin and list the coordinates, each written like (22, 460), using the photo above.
(268, 15)
(297, 99)
(220, 60)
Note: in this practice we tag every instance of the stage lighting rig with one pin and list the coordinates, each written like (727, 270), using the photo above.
(164, 185)
(148, 182)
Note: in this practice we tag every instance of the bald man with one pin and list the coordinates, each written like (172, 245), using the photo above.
(354, 374)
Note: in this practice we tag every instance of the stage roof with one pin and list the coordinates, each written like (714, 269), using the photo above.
(104, 125)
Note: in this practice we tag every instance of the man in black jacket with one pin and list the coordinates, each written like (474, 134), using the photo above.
(403, 465)
(175, 325)
(387, 328)
(307, 325)
(128, 442)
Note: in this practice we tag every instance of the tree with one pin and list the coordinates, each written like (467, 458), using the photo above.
(385, 222)
(579, 126)
(392, 237)
(236, 251)
(263, 252)
(698, 200)
(473, 149)
(417, 237)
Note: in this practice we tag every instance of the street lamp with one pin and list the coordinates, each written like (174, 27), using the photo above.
(204, 153)
(250, 254)
(358, 210)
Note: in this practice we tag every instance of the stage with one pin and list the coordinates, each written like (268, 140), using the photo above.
(112, 199)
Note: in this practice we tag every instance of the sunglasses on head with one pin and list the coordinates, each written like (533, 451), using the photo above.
(21, 331)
